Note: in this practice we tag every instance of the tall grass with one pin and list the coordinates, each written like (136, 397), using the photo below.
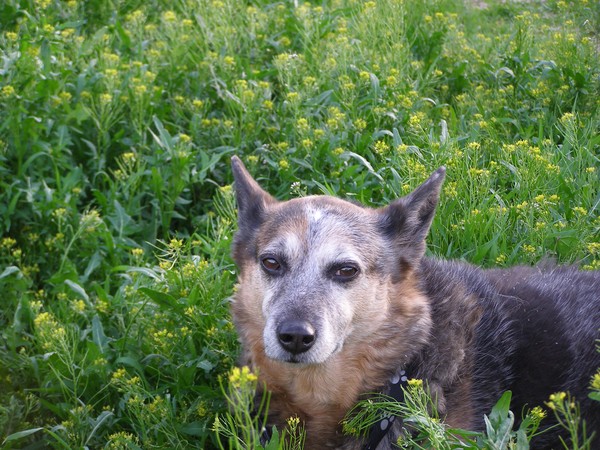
(117, 120)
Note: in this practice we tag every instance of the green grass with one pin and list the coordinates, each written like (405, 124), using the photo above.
(117, 121)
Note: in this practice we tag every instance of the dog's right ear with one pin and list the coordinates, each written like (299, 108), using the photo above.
(406, 221)
(252, 201)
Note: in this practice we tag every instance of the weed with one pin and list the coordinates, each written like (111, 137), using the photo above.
(117, 120)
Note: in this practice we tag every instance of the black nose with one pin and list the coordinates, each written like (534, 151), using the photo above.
(296, 336)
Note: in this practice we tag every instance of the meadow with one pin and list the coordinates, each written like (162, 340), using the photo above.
(117, 122)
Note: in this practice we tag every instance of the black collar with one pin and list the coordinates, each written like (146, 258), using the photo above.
(379, 429)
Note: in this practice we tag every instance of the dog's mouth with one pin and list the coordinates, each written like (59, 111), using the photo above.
(307, 358)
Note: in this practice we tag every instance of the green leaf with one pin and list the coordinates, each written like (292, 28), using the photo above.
(98, 335)
(163, 139)
(22, 434)
(595, 395)
(78, 290)
(131, 362)
(162, 299)
(500, 422)
(93, 264)
(501, 408)
(9, 271)
(522, 441)
(273, 443)
(205, 365)
(193, 429)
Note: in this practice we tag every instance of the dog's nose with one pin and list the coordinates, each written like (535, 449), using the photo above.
(296, 336)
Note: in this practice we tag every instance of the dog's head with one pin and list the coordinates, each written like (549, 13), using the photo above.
(316, 272)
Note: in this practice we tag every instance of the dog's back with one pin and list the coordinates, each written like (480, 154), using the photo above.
(537, 335)
(557, 330)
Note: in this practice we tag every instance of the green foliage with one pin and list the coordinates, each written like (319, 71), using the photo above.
(423, 429)
(242, 428)
(117, 120)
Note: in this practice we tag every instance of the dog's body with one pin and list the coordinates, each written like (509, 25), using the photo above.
(334, 298)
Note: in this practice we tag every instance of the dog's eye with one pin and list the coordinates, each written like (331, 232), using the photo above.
(345, 273)
(271, 265)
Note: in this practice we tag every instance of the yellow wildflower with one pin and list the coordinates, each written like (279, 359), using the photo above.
(169, 16)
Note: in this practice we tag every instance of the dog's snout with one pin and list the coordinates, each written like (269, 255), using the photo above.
(296, 336)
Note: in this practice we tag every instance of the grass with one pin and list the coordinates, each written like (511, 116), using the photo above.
(117, 121)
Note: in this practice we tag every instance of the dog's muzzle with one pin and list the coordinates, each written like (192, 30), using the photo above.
(296, 336)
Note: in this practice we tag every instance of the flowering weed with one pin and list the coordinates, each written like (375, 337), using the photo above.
(117, 120)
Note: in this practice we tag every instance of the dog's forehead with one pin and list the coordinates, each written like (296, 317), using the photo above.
(322, 221)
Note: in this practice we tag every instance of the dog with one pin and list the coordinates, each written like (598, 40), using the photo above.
(334, 298)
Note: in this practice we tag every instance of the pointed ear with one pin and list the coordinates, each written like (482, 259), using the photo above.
(406, 221)
(252, 203)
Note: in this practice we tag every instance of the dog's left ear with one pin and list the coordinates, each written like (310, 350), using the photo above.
(252, 205)
(406, 221)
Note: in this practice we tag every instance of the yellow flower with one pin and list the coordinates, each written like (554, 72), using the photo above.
(8, 242)
(302, 124)
(243, 376)
(293, 421)
(594, 248)
(415, 382)
(43, 319)
(364, 76)
(169, 16)
(567, 118)
(595, 383)
(309, 81)
(307, 143)
(538, 413)
(121, 440)
(360, 124)
(79, 306)
(176, 244)
(293, 96)
(105, 99)
(119, 375)
(282, 146)
(7, 91)
(558, 397)
(522, 206)
(380, 147)
(414, 120)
